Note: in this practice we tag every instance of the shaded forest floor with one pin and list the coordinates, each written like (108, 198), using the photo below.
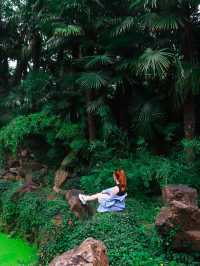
(130, 236)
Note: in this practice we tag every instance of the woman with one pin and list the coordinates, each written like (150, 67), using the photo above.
(111, 199)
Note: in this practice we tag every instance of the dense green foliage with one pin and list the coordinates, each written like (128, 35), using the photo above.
(129, 236)
(120, 73)
(91, 86)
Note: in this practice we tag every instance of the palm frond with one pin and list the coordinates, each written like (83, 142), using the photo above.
(154, 63)
(144, 3)
(99, 3)
(125, 26)
(94, 106)
(54, 43)
(147, 117)
(92, 80)
(74, 4)
(69, 31)
(161, 22)
(127, 65)
(99, 60)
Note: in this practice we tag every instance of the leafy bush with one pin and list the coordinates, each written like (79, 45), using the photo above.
(50, 127)
(8, 206)
(33, 92)
(145, 172)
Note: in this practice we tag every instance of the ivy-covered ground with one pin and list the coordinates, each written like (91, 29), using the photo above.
(130, 236)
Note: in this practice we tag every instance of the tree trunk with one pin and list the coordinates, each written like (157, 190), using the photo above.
(90, 117)
(189, 118)
(20, 69)
(188, 108)
(4, 75)
(189, 126)
(36, 50)
(189, 113)
(90, 96)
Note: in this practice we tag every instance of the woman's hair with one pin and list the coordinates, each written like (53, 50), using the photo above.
(121, 178)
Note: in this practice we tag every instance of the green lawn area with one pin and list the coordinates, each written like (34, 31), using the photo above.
(16, 252)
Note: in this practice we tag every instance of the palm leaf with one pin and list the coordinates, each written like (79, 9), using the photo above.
(95, 106)
(147, 117)
(154, 63)
(78, 5)
(99, 60)
(144, 3)
(69, 31)
(92, 80)
(126, 25)
(161, 22)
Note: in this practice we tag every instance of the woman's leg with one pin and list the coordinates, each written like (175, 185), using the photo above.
(98, 196)
(92, 197)
(84, 198)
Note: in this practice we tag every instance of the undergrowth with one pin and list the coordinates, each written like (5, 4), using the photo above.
(130, 236)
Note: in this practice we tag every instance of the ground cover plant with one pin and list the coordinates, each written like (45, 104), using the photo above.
(130, 236)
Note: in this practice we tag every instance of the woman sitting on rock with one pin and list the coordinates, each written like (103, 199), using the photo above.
(111, 199)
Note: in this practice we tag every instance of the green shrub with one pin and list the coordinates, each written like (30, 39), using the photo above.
(49, 127)
(8, 206)
(145, 172)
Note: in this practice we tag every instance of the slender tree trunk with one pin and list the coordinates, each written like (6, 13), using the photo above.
(189, 118)
(90, 96)
(20, 69)
(60, 58)
(189, 109)
(189, 113)
(4, 74)
(36, 50)
(90, 117)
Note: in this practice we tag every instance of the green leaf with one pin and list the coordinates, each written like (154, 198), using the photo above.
(92, 80)
(99, 60)
(162, 21)
(70, 30)
(154, 63)
(125, 26)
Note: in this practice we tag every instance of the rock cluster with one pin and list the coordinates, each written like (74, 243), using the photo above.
(90, 253)
(181, 217)
(22, 167)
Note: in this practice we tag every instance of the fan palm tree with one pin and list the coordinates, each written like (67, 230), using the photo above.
(173, 25)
